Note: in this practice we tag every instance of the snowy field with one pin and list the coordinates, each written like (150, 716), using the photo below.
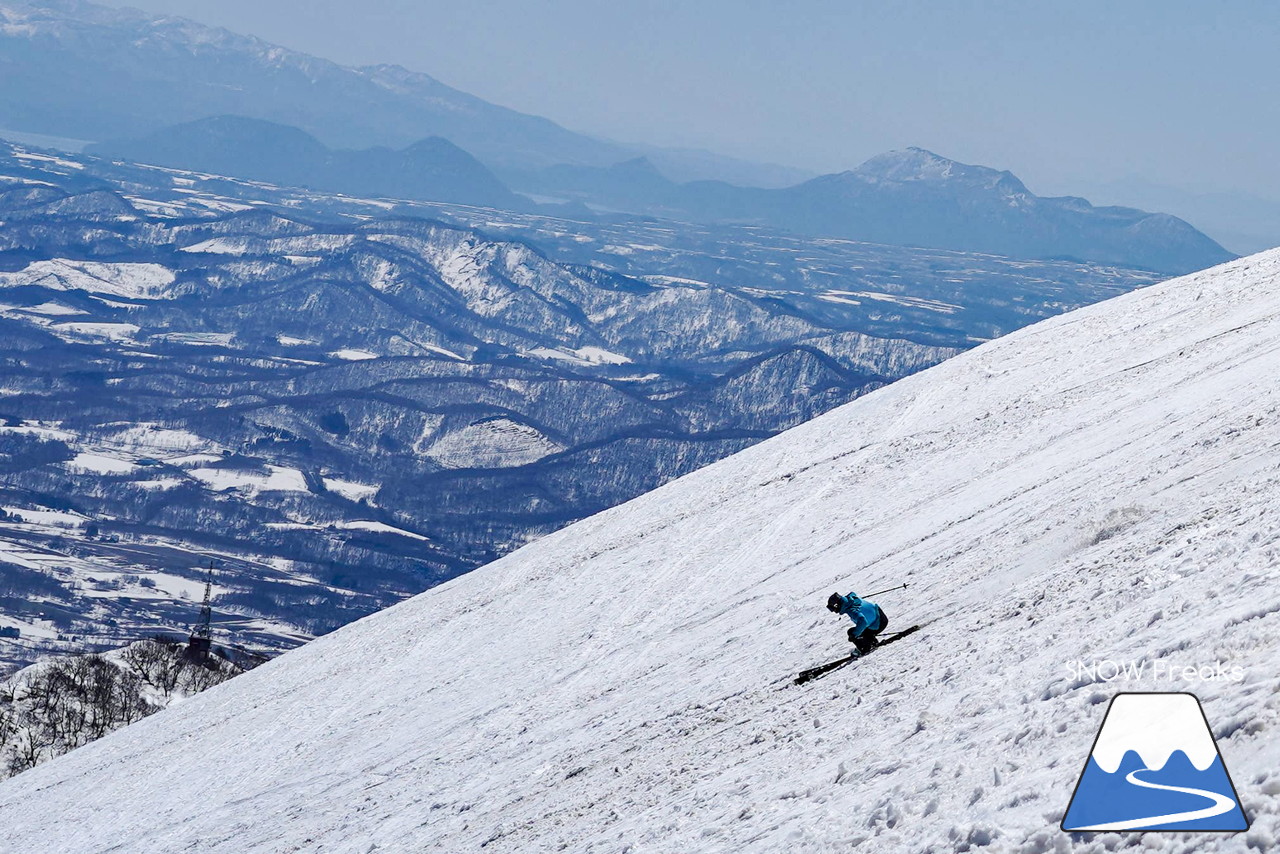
(1102, 485)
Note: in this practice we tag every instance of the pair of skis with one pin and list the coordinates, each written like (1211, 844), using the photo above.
(823, 669)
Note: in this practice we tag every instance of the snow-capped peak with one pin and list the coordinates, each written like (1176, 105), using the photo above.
(58, 17)
(920, 165)
(909, 164)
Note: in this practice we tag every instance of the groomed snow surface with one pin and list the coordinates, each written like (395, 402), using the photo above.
(1103, 485)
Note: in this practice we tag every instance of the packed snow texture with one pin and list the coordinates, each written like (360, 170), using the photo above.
(1101, 485)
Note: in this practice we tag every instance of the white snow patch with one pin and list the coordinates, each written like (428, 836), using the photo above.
(193, 459)
(220, 246)
(352, 355)
(444, 351)
(21, 154)
(350, 489)
(177, 587)
(381, 528)
(496, 443)
(52, 518)
(54, 309)
(129, 280)
(580, 356)
(631, 248)
(19, 555)
(99, 464)
(14, 179)
(110, 331)
(31, 629)
(857, 297)
(197, 339)
(275, 479)
(36, 428)
(154, 438)
(220, 205)
(159, 484)
(677, 280)
(156, 208)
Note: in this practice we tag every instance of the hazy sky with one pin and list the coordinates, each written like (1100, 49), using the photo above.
(1066, 95)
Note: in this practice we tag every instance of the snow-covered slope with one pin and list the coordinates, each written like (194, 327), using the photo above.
(1102, 484)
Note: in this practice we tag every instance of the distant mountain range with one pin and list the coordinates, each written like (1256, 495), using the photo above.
(80, 70)
(170, 91)
(432, 168)
(909, 198)
(1243, 222)
(905, 198)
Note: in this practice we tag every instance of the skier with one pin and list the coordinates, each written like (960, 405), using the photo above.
(868, 618)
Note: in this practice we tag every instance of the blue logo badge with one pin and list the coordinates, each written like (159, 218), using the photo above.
(1154, 766)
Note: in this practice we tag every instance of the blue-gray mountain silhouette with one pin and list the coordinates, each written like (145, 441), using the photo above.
(90, 72)
(75, 69)
(910, 198)
(432, 169)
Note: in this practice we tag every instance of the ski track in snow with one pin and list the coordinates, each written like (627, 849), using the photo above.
(1100, 485)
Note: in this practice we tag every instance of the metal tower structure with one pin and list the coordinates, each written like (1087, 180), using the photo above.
(200, 644)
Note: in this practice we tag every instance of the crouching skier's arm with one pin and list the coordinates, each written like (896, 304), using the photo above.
(859, 623)
(851, 606)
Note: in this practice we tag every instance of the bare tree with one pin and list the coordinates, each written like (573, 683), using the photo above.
(56, 707)
(156, 663)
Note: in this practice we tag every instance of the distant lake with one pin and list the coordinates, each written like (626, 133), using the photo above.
(61, 143)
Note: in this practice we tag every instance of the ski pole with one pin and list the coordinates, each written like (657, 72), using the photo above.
(889, 590)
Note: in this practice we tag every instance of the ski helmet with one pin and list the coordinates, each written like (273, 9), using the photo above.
(833, 603)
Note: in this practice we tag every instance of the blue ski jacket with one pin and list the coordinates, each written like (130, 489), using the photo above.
(866, 616)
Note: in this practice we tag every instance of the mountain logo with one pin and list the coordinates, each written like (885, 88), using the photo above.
(1154, 766)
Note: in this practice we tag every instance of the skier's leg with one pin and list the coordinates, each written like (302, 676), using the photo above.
(864, 642)
(869, 638)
